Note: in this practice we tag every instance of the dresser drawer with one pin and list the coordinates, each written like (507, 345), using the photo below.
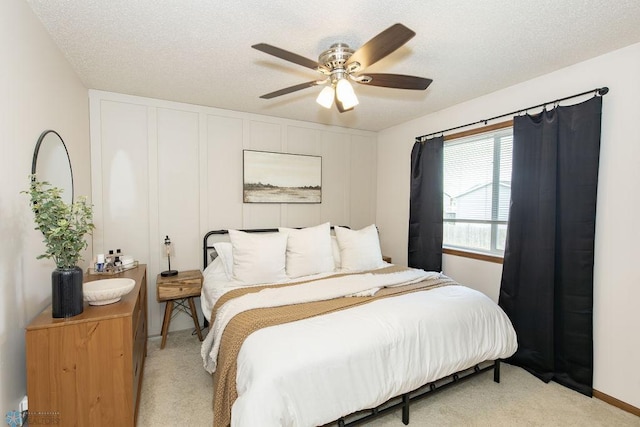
(139, 352)
(135, 317)
(139, 309)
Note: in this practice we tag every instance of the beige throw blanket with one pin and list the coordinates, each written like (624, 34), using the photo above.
(247, 322)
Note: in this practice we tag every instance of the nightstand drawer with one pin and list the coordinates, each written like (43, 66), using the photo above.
(179, 290)
(183, 285)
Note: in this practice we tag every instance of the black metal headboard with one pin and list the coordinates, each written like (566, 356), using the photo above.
(206, 246)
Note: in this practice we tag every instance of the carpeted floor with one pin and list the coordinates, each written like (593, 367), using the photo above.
(176, 391)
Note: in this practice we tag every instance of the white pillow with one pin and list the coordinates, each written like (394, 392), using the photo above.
(359, 249)
(257, 257)
(225, 253)
(309, 250)
(213, 286)
(336, 252)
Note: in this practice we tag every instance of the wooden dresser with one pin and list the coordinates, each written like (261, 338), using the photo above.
(87, 370)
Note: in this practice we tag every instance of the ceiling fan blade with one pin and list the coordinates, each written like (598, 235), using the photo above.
(286, 55)
(290, 89)
(381, 45)
(398, 81)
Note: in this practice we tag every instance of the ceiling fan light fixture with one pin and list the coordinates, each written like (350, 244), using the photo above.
(346, 94)
(325, 98)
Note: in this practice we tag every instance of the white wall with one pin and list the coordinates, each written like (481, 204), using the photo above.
(38, 91)
(163, 168)
(617, 278)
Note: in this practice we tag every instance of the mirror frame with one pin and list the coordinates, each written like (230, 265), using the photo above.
(34, 162)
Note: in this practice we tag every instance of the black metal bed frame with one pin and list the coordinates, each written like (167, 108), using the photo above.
(403, 401)
(206, 247)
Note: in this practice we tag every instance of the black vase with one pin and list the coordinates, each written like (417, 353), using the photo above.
(66, 292)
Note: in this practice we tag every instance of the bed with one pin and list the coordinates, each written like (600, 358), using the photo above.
(309, 328)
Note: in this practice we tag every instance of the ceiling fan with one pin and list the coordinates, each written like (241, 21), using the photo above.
(340, 63)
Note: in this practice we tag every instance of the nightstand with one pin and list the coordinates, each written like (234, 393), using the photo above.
(178, 291)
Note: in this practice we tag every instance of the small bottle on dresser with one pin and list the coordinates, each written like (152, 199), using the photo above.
(99, 263)
(108, 266)
(117, 263)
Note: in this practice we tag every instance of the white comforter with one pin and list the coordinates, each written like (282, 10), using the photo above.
(314, 371)
(365, 284)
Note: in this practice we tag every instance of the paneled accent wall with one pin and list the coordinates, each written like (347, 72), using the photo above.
(163, 168)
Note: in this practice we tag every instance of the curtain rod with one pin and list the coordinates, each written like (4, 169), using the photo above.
(601, 91)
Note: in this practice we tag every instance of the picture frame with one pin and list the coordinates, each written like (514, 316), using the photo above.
(270, 177)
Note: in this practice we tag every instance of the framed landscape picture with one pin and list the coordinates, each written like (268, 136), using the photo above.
(281, 178)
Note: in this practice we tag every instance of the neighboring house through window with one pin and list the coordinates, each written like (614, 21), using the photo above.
(477, 189)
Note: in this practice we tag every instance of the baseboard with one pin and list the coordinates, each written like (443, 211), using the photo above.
(616, 402)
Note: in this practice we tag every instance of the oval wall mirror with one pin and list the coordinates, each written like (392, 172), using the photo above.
(51, 163)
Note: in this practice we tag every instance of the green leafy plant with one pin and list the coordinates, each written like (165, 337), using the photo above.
(63, 225)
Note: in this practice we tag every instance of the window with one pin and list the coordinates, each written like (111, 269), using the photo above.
(477, 189)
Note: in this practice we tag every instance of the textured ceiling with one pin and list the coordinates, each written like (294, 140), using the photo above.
(200, 52)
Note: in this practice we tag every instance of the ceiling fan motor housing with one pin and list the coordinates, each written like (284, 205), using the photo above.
(336, 57)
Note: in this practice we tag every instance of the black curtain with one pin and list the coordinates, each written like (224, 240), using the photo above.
(425, 210)
(547, 277)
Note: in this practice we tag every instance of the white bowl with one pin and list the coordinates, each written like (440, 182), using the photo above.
(107, 291)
